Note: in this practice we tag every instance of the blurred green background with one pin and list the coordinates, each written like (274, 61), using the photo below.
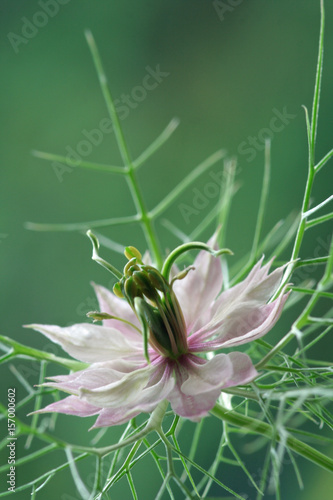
(228, 69)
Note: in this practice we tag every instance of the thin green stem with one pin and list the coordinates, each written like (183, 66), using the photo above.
(263, 202)
(82, 226)
(131, 178)
(315, 106)
(324, 160)
(253, 425)
(157, 143)
(199, 170)
(226, 195)
(22, 350)
(193, 245)
(319, 220)
(312, 131)
(82, 164)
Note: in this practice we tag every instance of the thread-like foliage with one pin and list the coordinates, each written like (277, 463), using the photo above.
(292, 389)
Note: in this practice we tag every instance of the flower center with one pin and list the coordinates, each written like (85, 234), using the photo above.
(154, 301)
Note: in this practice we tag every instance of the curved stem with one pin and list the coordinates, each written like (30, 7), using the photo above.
(257, 426)
(193, 245)
(22, 350)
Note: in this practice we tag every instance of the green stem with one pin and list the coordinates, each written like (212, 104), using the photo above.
(131, 178)
(253, 425)
(319, 220)
(83, 164)
(311, 131)
(22, 350)
(262, 203)
(193, 245)
(189, 179)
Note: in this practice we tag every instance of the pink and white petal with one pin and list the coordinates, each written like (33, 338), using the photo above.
(257, 289)
(71, 405)
(113, 416)
(235, 294)
(111, 304)
(262, 289)
(199, 288)
(96, 376)
(251, 325)
(89, 342)
(158, 389)
(205, 376)
(198, 385)
(193, 407)
(243, 370)
(122, 392)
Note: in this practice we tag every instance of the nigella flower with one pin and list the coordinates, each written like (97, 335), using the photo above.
(158, 351)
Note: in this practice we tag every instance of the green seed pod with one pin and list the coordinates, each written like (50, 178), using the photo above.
(155, 278)
(144, 285)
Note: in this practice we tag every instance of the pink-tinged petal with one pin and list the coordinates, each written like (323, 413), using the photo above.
(207, 376)
(243, 370)
(257, 288)
(246, 298)
(200, 287)
(89, 342)
(109, 303)
(158, 389)
(97, 376)
(113, 416)
(250, 325)
(71, 405)
(198, 385)
(193, 407)
(124, 391)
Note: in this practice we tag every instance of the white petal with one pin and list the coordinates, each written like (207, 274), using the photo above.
(252, 324)
(123, 392)
(249, 295)
(96, 376)
(208, 376)
(200, 287)
(193, 407)
(113, 416)
(71, 405)
(257, 288)
(198, 385)
(89, 342)
(243, 369)
(109, 303)
(156, 390)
